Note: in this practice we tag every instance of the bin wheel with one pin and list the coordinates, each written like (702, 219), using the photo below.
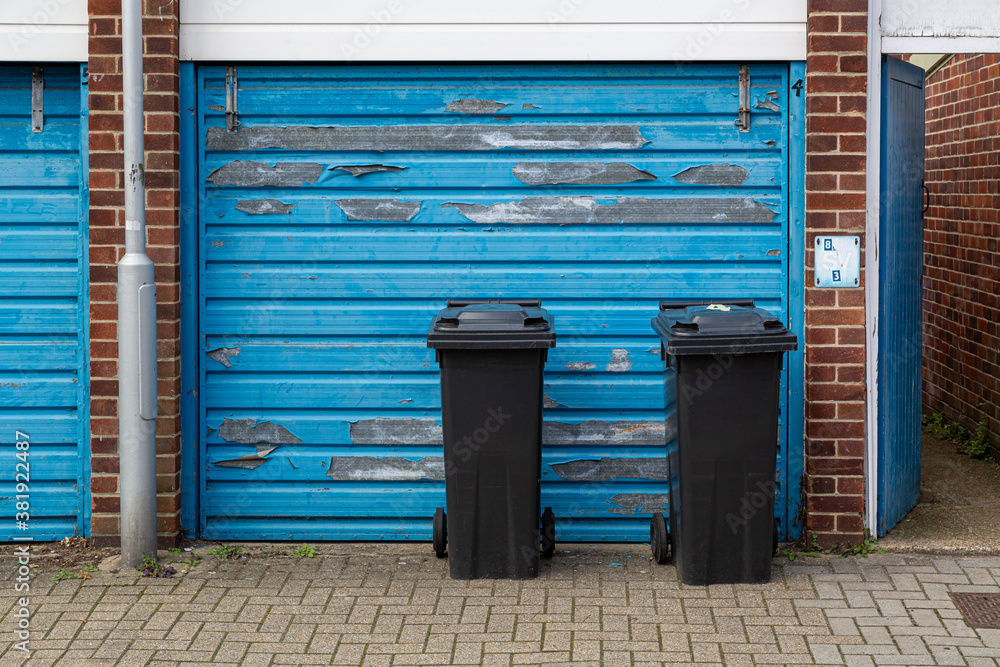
(659, 538)
(774, 539)
(440, 532)
(548, 533)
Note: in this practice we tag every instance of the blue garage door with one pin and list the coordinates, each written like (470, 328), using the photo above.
(44, 383)
(339, 208)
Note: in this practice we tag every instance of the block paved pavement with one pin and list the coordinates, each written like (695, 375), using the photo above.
(394, 604)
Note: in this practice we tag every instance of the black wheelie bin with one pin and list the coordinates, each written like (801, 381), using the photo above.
(491, 355)
(727, 357)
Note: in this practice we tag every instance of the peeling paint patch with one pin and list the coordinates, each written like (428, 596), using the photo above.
(776, 252)
(396, 431)
(623, 210)
(526, 107)
(472, 105)
(426, 431)
(591, 470)
(390, 468)
(769, 143)
(260, 174)
(767, 104)
(389, 210)
(248, 462)
(263, 206)
(549, 402)
(773, 94)
(769, 205)
(598, 432)
(579, 366)
(620, 361)
(362, 169)
(645, 503)
(223, 354)
(263, 449)
(406, 400)
(249, 432)
(713, 174)
(428, 138)
(579, 173)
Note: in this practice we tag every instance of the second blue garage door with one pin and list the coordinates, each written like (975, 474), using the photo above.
(340, 206)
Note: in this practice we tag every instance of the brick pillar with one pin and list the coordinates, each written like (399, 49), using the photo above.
(835, 318)
(107, 245)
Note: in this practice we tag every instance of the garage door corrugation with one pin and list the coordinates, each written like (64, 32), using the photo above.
(353, 201)
(43, 351)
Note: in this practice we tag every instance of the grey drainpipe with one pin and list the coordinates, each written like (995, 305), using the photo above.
(136, 320)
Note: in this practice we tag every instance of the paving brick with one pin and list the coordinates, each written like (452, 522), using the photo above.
(899, 618)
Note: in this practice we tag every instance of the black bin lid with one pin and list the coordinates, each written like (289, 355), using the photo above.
(725, 327)
(469, 324)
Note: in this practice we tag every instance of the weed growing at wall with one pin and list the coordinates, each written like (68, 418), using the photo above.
(974, 443)
(843, 549)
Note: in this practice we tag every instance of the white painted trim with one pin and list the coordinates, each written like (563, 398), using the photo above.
(873, 137)
(43, 12)
(914, 44)
(43, 43)
(494, 42)
(511, 12)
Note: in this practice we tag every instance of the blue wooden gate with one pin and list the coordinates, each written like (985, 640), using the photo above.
(901, 234)
(44, 383)
(339, 206)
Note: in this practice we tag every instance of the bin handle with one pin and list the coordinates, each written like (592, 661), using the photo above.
(524, 303)
(678, 305)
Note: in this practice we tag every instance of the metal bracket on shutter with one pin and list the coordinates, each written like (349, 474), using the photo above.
(232, 106)
(37, 98)
(743, 121)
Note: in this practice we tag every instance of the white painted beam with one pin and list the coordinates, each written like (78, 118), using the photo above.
(493, 42)
(938, 44)
(873, 136)
(49, 43)
(509, 12)
(43, 30)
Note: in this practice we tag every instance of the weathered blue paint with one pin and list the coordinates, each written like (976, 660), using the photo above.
(190, 352)
(901, 235)
(313, 307)
(84, 217)
(795, 361)
(44, 341)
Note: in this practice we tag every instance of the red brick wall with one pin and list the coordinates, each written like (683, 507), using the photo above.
(835, 318)
(107, 245)
(961, 233)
